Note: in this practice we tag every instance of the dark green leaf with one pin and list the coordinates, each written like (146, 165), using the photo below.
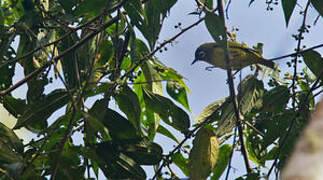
(222, 161)
(90, 8)
(153, 16)
(116, 165)
(11, 140)
(314, 61)
(227, 120)
(144, 153)
(119, 127)
(129, 103)
(106, 52)
(70, 166)
(288, 8)
(215, 26)
(11, 148)
(250, 91)
(35, 117)
(167, 110)
(67, 5)
(14, 106)
(318, 5)
(68, 60)
(276, 99)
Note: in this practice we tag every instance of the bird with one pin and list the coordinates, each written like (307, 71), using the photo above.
(240, 55)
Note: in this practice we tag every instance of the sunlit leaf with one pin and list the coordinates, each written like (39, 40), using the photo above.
(203, 155)
(181, 162)
(178, 93)
(164, 131)
(208, 111)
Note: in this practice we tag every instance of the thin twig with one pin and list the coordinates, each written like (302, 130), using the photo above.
(62, 143)
(296, 53)
(73, 47)
(233, 96)
(113, 8)
(300, 36)
(187, 136)
(284, 139)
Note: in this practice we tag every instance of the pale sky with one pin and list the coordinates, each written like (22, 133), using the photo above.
(255, 25)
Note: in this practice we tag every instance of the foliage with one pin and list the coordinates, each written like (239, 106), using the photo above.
(92, 48)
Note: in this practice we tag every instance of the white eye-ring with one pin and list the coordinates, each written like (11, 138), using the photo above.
(201, 54)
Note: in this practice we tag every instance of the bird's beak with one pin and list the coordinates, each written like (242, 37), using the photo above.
(195, 60)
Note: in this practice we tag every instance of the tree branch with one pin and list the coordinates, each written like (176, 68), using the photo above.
(233, 96)
(73, 47)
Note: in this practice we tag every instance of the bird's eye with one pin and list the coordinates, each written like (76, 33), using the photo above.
(201, 54)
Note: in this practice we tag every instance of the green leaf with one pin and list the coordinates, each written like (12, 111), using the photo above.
(95, 126)
(181, 162)
(208, 111)
(11, 140)
(144, 153)
(167, 110)
(318, 5)
(314, 61)
(119, 127)
(106, 52)
(115, 164)
(276, 99)
(149, 22)
(250, 91)
(178, 93)
(70, 166)
(11, 149)
(129, 104)
(67, 5)
(288, 8)
(90, 8)
(222, 161)
(227, 120)
(251, 153)
(164, 131)
(68, 60)
(215, 26)
(204, 154)
(14, 106)
(35, 117)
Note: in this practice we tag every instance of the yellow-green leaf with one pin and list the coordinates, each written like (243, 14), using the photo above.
(203, 156)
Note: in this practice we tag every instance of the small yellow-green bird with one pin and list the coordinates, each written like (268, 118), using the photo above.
(240, 55)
